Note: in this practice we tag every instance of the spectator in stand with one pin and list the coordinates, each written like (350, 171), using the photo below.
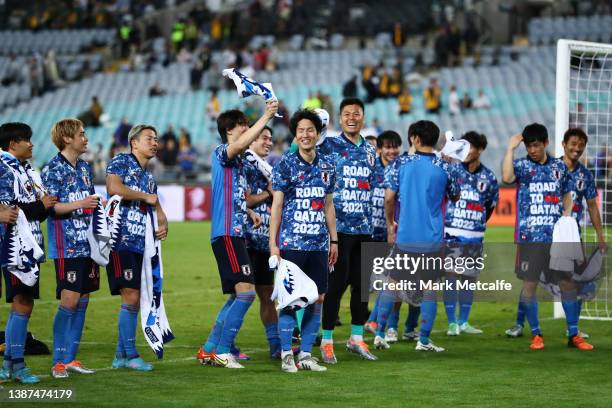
(213, 108)
(170, 153)
(120, 137)
(195, 75)
(404, 101)
(432, 95)
(383, 84)
(349, 89)
(91, 117)
(261, 58)
(395, 83)
(184, 135)
(369, 80)
(187, 156)
(454, 104)
(51, 72)
(156, 90)
(312, 102)
(466, 101)
(482, 101)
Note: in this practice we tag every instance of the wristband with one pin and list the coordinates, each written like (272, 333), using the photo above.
(333, 242)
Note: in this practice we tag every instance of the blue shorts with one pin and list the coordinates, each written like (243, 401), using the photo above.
(313, 264)
(123, 271)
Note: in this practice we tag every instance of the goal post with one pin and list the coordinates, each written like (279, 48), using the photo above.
(584, 100)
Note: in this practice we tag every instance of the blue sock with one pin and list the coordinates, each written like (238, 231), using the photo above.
(571, 309)
(6, 364)
(393, 320)
(128, 320)
(429, 308)
(120, 350)
(19, 332)
(76, 330)
(328, 335)
(310, 326)
(466, 298)
(273, 337)
(450, 300)
(531, 312)
(286, 323)
(385, 308)
(579, 307)
(412, 320)
(374, 313)
(520, 313)
(61, 327)
(215, 334)
(233, 320)
(299, 315)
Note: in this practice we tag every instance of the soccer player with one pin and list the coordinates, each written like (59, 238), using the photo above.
(229, 222)
(388, 146)
(355, 160)
(544, 194)
(15, 141)
(574, 144)
(420, 182)
(70, 179)
(303, 209)
(127, 176)
(465, 224)
(259, 198)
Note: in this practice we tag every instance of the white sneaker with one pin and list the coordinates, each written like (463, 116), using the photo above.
(428, 347)
(468, 329)
(453, 329)
(411, 336)
(288, 363)
(380, 343)
(310, 363)
(515, 331)
(391, 336)
(227, 360)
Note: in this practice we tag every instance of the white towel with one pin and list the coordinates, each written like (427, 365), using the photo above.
(104, 229)
(292, 287)
(455, 149)
(260, 164)
(324, 116)
(246, 86)
(566, 248)
(154, 321)
(21, 253)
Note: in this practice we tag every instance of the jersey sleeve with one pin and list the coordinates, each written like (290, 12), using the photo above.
(7, 190)
(452, 186)
(52, 180)
(493, 197)
(92, 189)
(117, 167)
(332, 183)
(519, 168)
(221, 154)
(281, 176)
(391, 180)
(590, 187)
(567, 183)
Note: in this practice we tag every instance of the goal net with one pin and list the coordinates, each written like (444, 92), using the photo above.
(584, 100)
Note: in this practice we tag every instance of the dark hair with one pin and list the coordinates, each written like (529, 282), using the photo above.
(426, 130)
(352, 101)
(229, 120)
(14, 132)
(305, 114)
(579, 133)
(391, 137)
(371, 137)
(535, 132)
(478, 140)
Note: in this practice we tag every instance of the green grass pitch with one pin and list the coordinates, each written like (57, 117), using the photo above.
(487, 370)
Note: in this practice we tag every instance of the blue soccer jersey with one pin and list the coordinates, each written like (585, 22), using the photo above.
(28, 189)
(539, 197)
(422, 182)
(229, 215)
(67, 234)
(379, 222)
(467, 217)
(585, 189)
(133, 213)
(305, 186)
(354, 165)
(257, 238)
